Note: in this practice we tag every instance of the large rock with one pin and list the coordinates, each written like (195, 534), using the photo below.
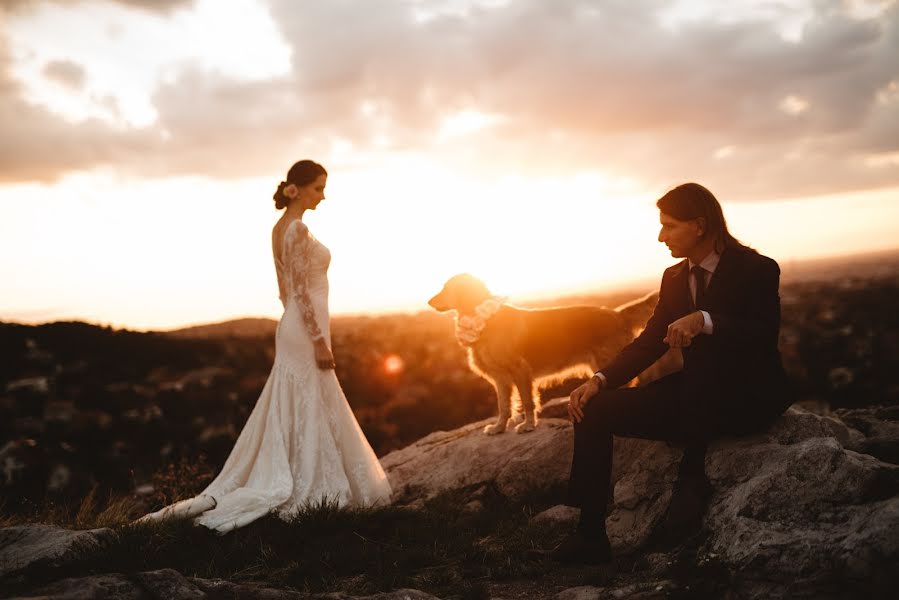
(796, 503)
(880, 426)
(45, 546)
(521, 464)
(652, 590)
(164, 583)
(448, 460)
(97, 587)
(402, 594)
(795, 506)
(168, 584)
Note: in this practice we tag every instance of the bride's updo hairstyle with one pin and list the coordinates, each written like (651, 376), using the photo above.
(302, 173)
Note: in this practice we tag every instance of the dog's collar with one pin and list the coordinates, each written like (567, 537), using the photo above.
(469, 327)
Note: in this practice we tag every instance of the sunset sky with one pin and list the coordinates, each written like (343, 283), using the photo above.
(524, 141)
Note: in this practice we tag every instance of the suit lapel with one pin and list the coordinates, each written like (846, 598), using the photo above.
(718, 282)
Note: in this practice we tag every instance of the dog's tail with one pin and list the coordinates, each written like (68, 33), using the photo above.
(637, 312)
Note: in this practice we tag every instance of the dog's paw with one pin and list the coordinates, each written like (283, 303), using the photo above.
(525, 427)
(495, 428)
(516, 419)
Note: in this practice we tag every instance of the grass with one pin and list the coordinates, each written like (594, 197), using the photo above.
(442, 548)
(100, 507)
(90, 512)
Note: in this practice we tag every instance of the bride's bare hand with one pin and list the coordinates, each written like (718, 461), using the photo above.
(323, 357)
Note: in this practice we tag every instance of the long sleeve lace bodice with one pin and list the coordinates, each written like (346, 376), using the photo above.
(302, 276)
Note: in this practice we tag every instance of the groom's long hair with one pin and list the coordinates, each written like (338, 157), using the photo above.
(690, 201)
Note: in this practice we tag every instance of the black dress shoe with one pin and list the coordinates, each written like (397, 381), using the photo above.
(576, 549)
(685, 512)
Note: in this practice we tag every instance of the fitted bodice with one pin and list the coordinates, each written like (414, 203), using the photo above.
(303, 264)
(303, 284)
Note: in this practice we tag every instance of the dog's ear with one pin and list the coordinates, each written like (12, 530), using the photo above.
(468, 291)
(472, 284)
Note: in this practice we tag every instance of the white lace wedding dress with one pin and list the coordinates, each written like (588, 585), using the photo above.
(301, 443)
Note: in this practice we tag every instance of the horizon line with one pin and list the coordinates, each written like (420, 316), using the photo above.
(788, 267)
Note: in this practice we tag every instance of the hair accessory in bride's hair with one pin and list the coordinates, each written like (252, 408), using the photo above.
(469, 328)
(291, 191)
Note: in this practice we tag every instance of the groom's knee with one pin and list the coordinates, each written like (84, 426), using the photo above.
(595, 416)
(608, 408)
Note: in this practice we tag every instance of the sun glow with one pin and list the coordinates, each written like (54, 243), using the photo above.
(466, 122)
(188, 250)
(393, 364)
(521, 235)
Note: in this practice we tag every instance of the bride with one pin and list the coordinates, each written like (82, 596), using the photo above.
(302, 443)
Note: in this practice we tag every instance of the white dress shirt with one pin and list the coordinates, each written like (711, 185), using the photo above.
(709, 264)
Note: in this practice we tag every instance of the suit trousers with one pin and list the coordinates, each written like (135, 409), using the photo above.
(659, 411)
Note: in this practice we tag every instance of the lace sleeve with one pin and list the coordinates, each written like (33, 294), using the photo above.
(298, 246)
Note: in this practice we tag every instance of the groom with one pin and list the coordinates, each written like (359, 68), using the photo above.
(720, 306)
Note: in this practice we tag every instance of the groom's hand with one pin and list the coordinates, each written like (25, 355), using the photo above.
(681, 332)
(580, 396)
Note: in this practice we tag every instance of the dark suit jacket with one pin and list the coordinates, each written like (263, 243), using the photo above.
(736, 372)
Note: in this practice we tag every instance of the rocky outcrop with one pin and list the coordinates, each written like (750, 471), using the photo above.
(539, 461)
(655, 590)
(449, 460)
(797, 507)
(44, 546)
(880, 426)
(168, 584)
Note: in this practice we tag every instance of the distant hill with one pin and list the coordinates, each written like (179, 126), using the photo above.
(873, 265)
(240, 328)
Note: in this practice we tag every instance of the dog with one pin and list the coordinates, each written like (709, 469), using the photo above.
(515, 347)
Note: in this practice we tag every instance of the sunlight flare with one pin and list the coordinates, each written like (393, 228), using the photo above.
(393, 364)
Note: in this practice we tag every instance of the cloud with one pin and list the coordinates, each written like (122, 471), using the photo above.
(161, 6)
(66, 73)
(156, 5)
(40, 146)
(574, 85)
